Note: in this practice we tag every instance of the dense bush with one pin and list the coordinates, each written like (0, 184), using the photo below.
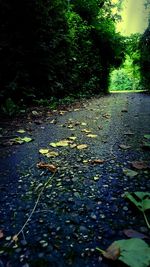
(54, 48)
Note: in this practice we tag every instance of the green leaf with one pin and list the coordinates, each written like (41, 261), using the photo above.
(134, 252)
(129, 172)
(20, 140)
(26, 139)
(147, 136)
(140, 199)
(62, 143)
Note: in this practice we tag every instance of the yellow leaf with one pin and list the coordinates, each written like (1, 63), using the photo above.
(86, 131)
(82, 146)
(21, 131)
(52, 154)
(83, 123)
(72, 138)
(60, 143)
(73, 145)
(44, 150)
(92, 135)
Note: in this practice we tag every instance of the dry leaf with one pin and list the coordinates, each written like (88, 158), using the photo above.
(43, 150)
(47, 166)
(54, 121)
(49, 154)
(73, 145)
(140, 165)
(134, 234)
(62, 112)
(1, 234)
(124, 146)
(83, 123)
(86, 131)
(15, 238)
(92, 135)
(97, 161)
(112, 252)
(82, 146)
(21, 131)
(72, 138)
(107, 116)
(61, 143)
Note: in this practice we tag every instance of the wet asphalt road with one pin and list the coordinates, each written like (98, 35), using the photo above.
(83, 206)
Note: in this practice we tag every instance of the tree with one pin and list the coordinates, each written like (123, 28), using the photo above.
(145, 58)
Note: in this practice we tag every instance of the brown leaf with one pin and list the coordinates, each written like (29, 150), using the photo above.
(1, 234)
(50, 167)
(134, 234)
(107, 116)
(140, 165)
(112, 252)
(97, 161)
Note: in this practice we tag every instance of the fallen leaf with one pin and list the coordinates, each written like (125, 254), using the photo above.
(43, 150)
(83, 123)
(21, 131)
(52, 154)
(62, 112)
(54, 121)
(73, 145)
(124, 146)
(72, 138)
(15, 238)
(1, 234)
(112, 252)
(107, 116)
(46, 152)
(62, 143)
(86, 131)
(47, 166)
(134, 234)
(82, 146)
(97, 161)
(92, 135)
(129, 172)
(140, 165)
(35, 113)
(20, 140)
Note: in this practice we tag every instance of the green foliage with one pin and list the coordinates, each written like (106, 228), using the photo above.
(9, 107)
(127, 77)
(145, 58)
(56, 48)
(142, 201)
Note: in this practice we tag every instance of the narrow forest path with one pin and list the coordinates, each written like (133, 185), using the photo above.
(83, 205)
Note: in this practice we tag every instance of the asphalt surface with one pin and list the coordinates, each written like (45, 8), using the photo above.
(83, 205)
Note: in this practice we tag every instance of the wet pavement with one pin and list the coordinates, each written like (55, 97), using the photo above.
(81, 206)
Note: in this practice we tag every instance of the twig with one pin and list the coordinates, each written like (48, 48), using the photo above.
(15, 237)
